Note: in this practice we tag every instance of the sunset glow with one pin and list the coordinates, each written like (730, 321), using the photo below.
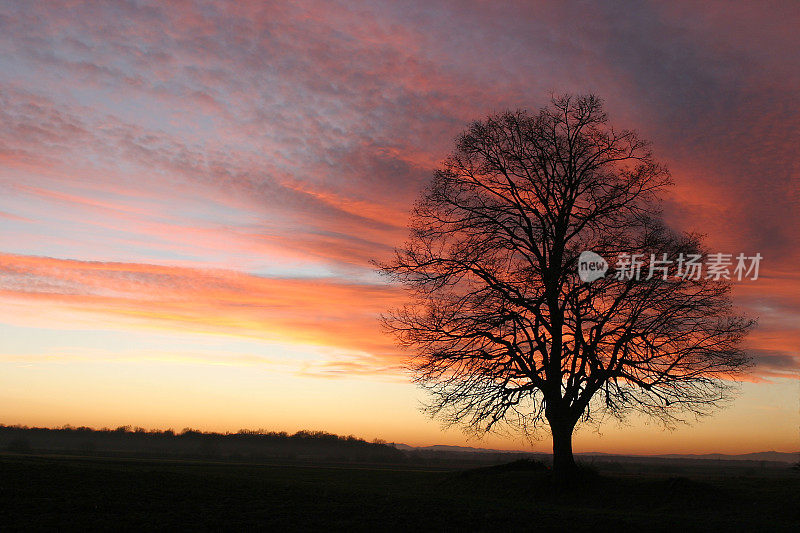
(192, 197)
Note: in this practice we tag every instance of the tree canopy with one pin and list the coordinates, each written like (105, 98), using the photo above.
(502, 329)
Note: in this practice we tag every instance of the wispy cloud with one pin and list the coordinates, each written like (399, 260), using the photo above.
(234, 167)
(327, 313)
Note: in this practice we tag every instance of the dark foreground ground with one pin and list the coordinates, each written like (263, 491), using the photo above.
(49, 491)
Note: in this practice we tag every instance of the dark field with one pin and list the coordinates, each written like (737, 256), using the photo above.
(51, 491)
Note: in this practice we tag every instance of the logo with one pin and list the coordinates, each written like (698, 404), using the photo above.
(591, 266)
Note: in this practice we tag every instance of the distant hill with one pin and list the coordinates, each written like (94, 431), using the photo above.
(781, 457)
(463, 449)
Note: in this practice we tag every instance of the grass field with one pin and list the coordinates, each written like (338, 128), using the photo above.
(48, 491)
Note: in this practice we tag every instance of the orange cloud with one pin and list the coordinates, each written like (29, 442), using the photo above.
(337, 315)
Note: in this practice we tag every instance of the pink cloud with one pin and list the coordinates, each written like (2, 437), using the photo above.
(317, 125)
(338, 315)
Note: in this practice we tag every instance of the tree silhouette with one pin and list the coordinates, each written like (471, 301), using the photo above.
(501, 327)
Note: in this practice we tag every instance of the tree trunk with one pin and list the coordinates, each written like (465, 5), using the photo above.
(564, 466)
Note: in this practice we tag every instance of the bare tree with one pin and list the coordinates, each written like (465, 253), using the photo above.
(502, 328)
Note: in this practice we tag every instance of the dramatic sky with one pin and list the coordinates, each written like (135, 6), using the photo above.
(191, 193)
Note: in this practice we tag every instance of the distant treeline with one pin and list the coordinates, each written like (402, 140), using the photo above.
(191, 443)
(244, 445)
